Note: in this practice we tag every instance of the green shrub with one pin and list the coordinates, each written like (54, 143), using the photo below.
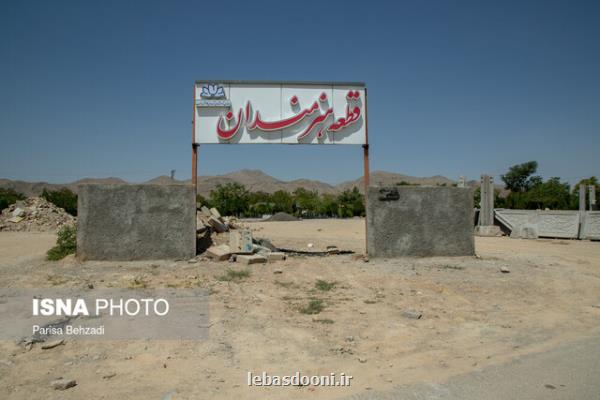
(314, 306)
(233, 275)
(66, 243)
(324, 286)
(63, 198)
(8, 197)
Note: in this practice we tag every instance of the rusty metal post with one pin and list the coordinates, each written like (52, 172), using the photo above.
(194, 148)
(365, 147)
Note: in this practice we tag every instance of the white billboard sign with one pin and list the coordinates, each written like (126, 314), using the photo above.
(283, 113)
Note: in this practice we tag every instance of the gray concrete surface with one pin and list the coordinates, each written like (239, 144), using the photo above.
(570, 371)
(420, 221)
(136, 222)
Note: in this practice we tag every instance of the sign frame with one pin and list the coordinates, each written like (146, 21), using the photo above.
(365, 145)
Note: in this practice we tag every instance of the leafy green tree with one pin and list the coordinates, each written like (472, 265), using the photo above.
(552, 194)
(282, 202)
(519, 177)
(259, 203)
(230, 199)
(8, 197)
(306, 201)
(63, 198)
(329, 205)
(351, 203)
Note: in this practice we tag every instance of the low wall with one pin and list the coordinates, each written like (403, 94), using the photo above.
(563, 224)
(136, 222)
(591, 226)
(419, 221)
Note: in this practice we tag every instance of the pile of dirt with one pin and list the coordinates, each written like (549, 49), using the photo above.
(34, 214)
(282, 216)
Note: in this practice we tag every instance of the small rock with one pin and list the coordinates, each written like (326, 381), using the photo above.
(251, 259)
(310, 245)
(63, 384)
(278, 271)
(192, 260)
(276, 256)
(109, 375)
(412, 314)
(219, 253)
(53, 344)
(504, 270)
(349, 338)
(332, 250)
(362, 360)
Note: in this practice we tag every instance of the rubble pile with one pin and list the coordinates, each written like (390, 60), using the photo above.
(231, 241)
(34, 214)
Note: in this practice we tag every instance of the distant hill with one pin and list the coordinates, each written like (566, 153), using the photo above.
(254, 180)
(392, 179)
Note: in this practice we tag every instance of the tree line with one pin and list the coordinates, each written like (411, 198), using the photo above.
(235, 199)
(528, 191)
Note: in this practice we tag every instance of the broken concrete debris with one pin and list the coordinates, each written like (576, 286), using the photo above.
(63, 384)
(249, 259)
(227, 238)
(240, 241)
(53, 344)
(34, 214)
(276, 256)
(219, 253)
(412, 314)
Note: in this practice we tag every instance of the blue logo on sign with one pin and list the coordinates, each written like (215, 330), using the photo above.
(212, 91)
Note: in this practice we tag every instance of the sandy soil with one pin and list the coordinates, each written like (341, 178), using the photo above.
(473, 316)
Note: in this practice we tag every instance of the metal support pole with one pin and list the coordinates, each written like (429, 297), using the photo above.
(366, 172)
(194, 149)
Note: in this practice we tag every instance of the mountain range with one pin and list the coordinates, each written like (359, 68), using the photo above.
(254, 180)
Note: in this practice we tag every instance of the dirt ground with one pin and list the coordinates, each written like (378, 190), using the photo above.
(473, 316)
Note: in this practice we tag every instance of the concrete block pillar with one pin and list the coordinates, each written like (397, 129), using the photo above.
(592, 197)
(486, 210)
(486, 225)
(581, 203)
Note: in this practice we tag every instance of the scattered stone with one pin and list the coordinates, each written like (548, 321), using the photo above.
(109, 375)
(217, 225)
(412, 314)
(525, 231)
(215, 213)
(349, 338)
(53, 344)
(240, 241)
(310, 245)
(266, 243)
(63, 384)
(205, 212)
(278, 271)
(193, 260)
(332, 250)
(34, 214)
(219, 253)
(276, 256)
(251, 259)
(504, 270)
(362, 360)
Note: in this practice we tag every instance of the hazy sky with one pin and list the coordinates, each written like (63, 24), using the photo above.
(455, 88)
